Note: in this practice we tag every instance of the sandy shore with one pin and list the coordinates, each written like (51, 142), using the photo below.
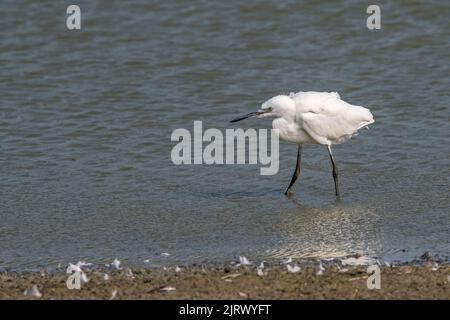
(197, 282)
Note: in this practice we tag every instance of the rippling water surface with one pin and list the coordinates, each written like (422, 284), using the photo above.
(86, 118)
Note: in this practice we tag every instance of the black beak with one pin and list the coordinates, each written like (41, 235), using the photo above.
(251, 114)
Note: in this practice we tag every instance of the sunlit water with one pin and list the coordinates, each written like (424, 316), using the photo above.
(86, 119)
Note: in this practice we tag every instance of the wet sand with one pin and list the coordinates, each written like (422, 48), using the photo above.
(231, 282)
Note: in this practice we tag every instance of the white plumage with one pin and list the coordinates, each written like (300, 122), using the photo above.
(314, 118)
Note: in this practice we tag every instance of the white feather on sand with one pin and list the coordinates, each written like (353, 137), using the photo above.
(33, 292)
(84, 278)
(320, 270)
(168, 289)
(293, 269)
(361, 261)
(115, 264)
(113, 294)
(129, 273)
(229, 276)
(243, 261)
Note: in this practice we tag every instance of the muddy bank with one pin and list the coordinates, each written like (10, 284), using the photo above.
(231, 282)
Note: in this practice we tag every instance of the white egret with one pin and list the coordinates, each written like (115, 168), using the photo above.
(313, 118)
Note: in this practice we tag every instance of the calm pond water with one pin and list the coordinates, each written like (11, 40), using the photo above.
(86, 118)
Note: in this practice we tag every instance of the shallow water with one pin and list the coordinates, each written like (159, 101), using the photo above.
(86, 118)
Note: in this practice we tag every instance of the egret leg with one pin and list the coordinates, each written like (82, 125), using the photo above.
(297, 169)
(335, 171)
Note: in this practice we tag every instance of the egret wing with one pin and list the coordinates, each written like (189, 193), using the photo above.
(327, 118)
(335, 125)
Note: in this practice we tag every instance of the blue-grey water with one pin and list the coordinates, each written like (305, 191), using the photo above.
(86, 118)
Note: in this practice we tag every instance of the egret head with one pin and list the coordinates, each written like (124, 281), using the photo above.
(279, 106)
